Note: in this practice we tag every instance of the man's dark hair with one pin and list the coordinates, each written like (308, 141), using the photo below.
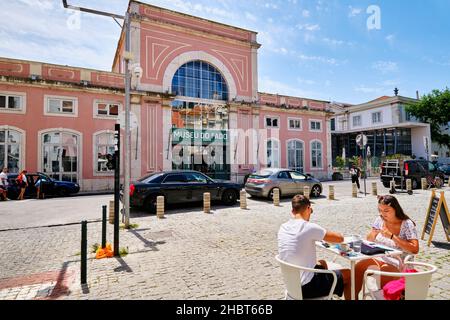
(300, 203)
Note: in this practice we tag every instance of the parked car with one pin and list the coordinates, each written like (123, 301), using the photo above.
(408, 169)
(290, 182)
(49, 186)
(445, 169)
(180, 187)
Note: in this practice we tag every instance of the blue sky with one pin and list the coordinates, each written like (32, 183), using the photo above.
(320, 49)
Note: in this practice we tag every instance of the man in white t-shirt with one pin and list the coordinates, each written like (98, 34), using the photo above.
(296, 245)
(3, 183)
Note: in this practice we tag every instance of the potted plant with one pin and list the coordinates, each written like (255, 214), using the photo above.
(340, 164)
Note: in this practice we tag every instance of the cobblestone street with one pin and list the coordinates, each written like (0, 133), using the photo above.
(228, 254)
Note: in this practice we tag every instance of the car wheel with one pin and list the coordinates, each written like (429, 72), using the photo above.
(316, 191)
(150, 205)
(387, 184)
(229, 197)
(270, 196)
(63, 192)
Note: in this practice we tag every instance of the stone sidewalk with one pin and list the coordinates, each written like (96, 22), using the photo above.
(191, 255)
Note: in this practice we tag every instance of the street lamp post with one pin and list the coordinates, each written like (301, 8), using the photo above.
(127, 141)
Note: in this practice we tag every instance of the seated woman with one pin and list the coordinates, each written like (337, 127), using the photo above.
(393, 228)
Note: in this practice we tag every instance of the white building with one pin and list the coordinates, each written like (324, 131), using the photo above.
(389, 128)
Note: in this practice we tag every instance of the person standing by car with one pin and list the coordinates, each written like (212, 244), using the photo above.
(22, 183)
(4, 184)
(355, 173)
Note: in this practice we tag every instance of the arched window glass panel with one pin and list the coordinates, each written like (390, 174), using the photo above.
(60, 155)
(104, 144)
(295, 155)
(316, 154)
(199, 79)
(273, 153)
(10, 155)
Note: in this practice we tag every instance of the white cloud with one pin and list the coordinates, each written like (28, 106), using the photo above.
(251, 17)
(354, 11)
(271, 5)
(365, 89)
(385, 66)
(390, 38)
(266, 84)
(305, 81)
(309, 27)
(306, 13)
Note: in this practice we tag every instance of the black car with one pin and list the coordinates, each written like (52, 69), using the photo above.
(49, 186)
(408, 169)
(180, 187)
(444, 168)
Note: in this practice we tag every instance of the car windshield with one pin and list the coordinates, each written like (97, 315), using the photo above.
(261, 174)
(152, 178)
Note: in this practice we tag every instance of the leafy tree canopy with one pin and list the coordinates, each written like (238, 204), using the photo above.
(434, 108)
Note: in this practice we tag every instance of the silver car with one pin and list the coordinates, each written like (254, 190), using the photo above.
(290, 182)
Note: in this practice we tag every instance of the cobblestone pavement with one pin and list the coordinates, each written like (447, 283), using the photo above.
(228, 254)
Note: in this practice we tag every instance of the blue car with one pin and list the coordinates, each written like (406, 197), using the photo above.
(49, 186)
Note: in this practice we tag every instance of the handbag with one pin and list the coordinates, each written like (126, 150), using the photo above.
(395, 289)
(372, 250)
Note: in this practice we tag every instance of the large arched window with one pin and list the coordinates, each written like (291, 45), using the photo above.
(295, 155)
(199, 79)
(60, 155)
(104, 152)
(10, 150)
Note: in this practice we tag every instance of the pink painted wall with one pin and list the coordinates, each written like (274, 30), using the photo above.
(152, 138)
(161, 45)
(305, 135)
(34, 120)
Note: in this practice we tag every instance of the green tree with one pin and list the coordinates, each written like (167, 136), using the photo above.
(340, 163)
(434, 108)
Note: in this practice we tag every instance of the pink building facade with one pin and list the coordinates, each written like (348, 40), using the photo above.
(196, 106)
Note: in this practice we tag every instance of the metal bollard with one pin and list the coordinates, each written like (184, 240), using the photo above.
(207, 202)
(160, 207)
(83, 252)
(111, 212)
(424, 184)
(331, 193)
(103, 227)
(276, 197)
(354, 190)
(306, 191)
(243, 200)
(374, 189)
(408, 185)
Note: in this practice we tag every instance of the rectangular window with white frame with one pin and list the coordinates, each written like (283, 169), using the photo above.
(61, 106)
(104, 109)
(357, 121)
(12, 102)
(295, 124)
(272, 122)
(377, 117)
(315, 125)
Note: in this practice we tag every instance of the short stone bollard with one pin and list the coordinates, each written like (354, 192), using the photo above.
(160, 207)
(207, 202)
(243, 200)
(354, 190)
(331, 193)
(111, 212)
(392, 186)
(408, 185)
(424, 184)
(306, 191)
(374, 189)
(276, 197)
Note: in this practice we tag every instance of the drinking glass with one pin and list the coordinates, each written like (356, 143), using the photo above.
(357, 242)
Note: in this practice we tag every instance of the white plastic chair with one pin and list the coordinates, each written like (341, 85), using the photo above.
(416, 284)
(292, 279)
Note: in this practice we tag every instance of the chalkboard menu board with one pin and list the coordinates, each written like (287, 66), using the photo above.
(432, 215)
(437, 210)
(444, 219)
